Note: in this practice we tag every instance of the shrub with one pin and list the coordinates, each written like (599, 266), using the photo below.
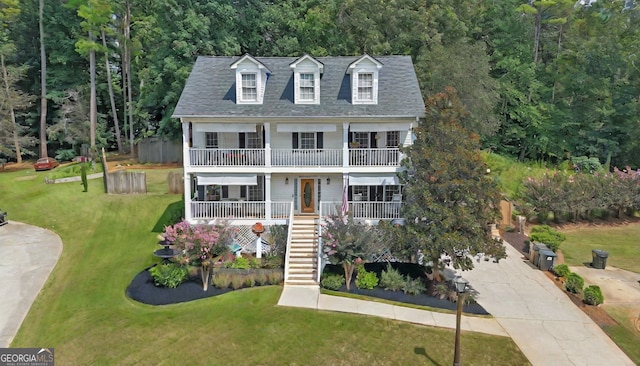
(262, 279)
(240, 263)
(221, 280)
(413, 286)
(561, 270)
(272, 261)
(441, 290)
(169, 275)
(366, 280)
(237, 281)
(592, 295)
(574, 283)
(333, 282)
(275, 278)
(254, 263)
(65, 154)
(547, 235)
(249, 280)
(391, 279)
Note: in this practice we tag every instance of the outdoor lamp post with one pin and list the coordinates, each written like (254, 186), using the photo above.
(461, 286)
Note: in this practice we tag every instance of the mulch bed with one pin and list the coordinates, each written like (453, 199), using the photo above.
(415, 271)
(144, 290)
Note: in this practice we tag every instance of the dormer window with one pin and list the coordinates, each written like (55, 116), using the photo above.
(306, 78)
(307, 87)
(365, 86)
(249, 87)
(364, 80)
(251, 80)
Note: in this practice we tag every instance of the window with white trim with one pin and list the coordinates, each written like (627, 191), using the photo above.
(393, 138)
(361, 139)
(256, 192)
(211, 140)
(307, 87)
(254, 140)
(365, 86)
(249, 87)
(307, 140)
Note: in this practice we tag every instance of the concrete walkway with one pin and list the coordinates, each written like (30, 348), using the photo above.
(525, 304)
(27, 257)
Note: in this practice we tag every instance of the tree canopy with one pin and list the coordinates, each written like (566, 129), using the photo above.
(542, 80)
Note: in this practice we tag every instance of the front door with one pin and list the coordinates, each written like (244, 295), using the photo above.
(307, 203)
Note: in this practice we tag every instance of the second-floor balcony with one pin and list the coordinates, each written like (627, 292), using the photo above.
(205, 157)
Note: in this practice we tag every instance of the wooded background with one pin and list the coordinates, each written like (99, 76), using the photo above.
(542, 80)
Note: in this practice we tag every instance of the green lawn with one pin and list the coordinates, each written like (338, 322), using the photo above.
(84, 314)
(621, 242)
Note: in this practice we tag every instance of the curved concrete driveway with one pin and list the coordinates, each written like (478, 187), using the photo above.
(539, 317)
(27, 257)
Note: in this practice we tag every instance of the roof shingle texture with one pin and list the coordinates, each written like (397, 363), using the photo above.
(210, 90)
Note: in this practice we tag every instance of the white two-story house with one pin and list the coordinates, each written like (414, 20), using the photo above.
(267, 137)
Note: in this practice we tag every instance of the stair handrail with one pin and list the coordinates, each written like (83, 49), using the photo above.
(319, 260)
(288, 250)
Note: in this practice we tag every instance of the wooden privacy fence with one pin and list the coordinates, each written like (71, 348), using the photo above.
(176, 185)
(120, 182)
(155, 150)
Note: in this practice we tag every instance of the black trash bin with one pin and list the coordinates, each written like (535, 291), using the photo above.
(546, 258)
(533, 254)
(599, 259)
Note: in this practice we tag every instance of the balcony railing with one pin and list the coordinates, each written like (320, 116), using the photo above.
(226, 157)
(374, 157)
(306, 157)
(294, 157)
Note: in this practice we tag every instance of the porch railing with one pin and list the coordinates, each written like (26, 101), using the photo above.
(374, 157)
(364, 210)
(210, 210)
(306, 157)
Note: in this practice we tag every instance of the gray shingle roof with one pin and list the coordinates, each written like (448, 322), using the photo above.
(210, 90)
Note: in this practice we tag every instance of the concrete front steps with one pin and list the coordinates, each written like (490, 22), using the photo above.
(303, 253)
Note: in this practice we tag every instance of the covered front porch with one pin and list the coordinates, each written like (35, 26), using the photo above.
(246, 198)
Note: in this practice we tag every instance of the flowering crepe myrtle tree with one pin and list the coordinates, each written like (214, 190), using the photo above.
(346, 242)
(200, 245)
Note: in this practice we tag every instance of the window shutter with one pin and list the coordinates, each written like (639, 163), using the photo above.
(243, 191)
(294, 140)
(372, 140)
(201, 193)
(319, 140)
(241, 140)
(225, 191)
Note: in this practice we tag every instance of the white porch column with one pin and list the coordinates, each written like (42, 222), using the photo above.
(188, 216)
(267, 197)
(345, 144)
(185, 145)
(267, 144)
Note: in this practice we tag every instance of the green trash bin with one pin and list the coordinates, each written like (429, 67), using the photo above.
(599, 260)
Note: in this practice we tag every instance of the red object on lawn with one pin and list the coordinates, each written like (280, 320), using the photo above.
(45, 164)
